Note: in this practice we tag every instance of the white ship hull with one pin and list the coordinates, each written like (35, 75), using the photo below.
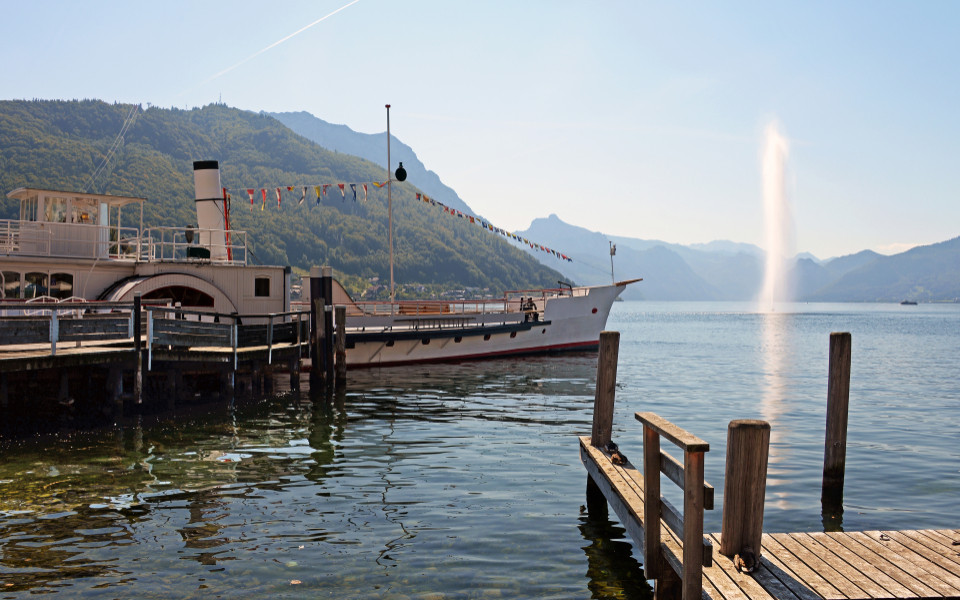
(561, 320)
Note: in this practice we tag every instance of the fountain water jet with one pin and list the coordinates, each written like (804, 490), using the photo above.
(778, 220)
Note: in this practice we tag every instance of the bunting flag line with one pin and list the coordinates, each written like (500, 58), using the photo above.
(320, 191)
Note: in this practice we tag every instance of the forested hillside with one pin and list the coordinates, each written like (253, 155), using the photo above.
(62, 145)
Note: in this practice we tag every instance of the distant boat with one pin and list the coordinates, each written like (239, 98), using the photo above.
(908, 303)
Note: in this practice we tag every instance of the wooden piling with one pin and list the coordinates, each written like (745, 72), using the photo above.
(340, 343)
(748, 443)
(138, 350)
(115, 390)
(327, 284)
(838, 402)
(606, 388)
(316, 321)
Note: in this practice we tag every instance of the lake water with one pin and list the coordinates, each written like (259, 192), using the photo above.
(464, 481)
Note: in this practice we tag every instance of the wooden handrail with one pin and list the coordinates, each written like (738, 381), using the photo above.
(697, 553)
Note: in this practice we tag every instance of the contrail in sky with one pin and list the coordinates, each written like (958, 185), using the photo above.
(277, 43)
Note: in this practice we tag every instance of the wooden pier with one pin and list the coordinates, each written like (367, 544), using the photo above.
(742, 561)
(127, 352)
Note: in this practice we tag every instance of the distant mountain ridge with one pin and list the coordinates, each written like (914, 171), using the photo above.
(723, 270)
(716, 270)
(372, 147)
(57, 144)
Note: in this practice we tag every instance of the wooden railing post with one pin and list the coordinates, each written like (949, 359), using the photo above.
(838, 402)
(745, 484)
(652, 561)
(692, 523)
(606, 388)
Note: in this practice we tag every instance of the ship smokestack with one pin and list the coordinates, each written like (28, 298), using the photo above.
(210, 208)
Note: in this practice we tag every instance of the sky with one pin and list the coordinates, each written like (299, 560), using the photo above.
(632, 118)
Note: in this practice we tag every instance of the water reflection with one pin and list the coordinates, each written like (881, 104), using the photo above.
(612, 569)
(453, 479)
(777, 349)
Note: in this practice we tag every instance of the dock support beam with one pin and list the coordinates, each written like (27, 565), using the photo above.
(835, 442)
(327, 281)
(321, 325)
(745, 484)
(138, 351)
(340, 344)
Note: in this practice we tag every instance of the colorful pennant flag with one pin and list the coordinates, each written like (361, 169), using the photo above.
(321, 191)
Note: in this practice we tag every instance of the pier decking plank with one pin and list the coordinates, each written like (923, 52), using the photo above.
(800, 566)
(927, 542)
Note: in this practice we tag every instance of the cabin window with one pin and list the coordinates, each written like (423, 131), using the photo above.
(61, 285)
(10, 281)
(55, 210)
(28, 209)
(35, 285)
(261, 287)
(84, 211)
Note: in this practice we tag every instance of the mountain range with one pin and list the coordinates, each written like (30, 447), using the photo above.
(122, 149)
(717, 270)
(58, 144)
(734, 271)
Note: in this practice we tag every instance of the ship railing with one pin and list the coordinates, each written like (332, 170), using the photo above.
(417, 308)
(444, 313)
(74, 240)
(192, 244)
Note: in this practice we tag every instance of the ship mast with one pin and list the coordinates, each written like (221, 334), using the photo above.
(390, 209)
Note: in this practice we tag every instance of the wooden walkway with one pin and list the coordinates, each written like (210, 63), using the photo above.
(802, 566)
(742, 561)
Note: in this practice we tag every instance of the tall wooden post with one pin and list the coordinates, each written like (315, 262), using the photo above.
(340, 343)
(138, 350)
(748, 443)
(316, 321)
(838, 402)
(327, 283)
(606, 388)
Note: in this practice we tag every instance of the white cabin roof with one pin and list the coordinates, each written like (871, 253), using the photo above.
(27, 193)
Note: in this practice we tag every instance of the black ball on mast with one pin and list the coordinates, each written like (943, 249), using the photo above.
(401, 173)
